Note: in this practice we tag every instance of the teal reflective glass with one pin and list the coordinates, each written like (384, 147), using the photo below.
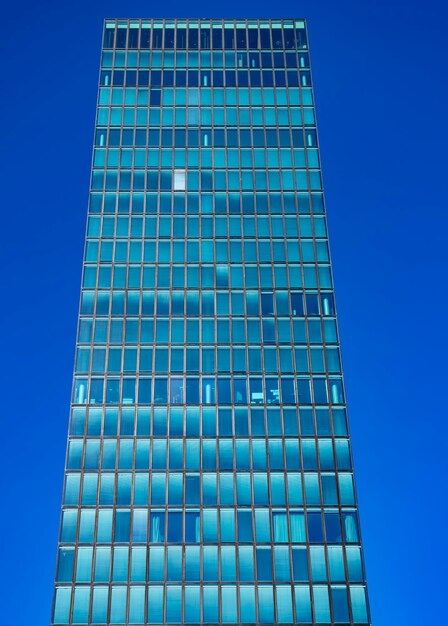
(209, 476)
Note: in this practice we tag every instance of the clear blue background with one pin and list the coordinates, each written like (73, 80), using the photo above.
(380, 72)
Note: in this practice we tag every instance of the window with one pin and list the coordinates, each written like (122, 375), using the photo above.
(179, 180)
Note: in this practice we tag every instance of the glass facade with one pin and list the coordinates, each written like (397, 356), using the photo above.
(209, 474)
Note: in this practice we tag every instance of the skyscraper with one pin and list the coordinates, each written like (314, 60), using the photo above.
(209, 474)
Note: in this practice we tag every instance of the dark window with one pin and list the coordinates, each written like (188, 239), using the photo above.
(232, 138)
(109, 35)
(143, 78)
(156, 78)
(230, 78)
(175, 527)
(315, 531)
(168, 78)
(105, 77)
(145, 38)
(265, 38)
(114, 137)
(133, 38)
(288, 34)
(241, 38)
(154, 98)
(285, 140)
(254, 59)
(258, 138)
(181, 38)
(205, 38)
(157, 38)
(312, 304)
(333, 528)
(205, 78)
(154, 138)
(217, 38)
(169, 38)
(279, 60)
(253, 38)
(266, 59)
(218, 78)
(268, 79)
(193, 38)
(180, 138)
(121, 38)
(131, 78)
(167, 137)
(271, 138)
(128, 137)
(301, 38)
(193, 78)
(327, 304)
(264, 564)
(118, 77)
(193, 138)
(277, 40)
(297, 139)
(320, 391)
(219, 140)
(293, 79)
(245, 138)
(243, 78)
(181, 78)
(229, 38)
(255, 78)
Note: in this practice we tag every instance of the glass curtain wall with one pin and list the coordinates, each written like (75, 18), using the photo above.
(209, 474)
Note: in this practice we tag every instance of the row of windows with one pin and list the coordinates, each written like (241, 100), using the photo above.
(251, 303)
(136, 251)
(102, 525)
(185, 490)
(208, 454)
(173, 271)
(257, 254)
(181, 226)
(165, 36)
(173, 235)
(252, 489)
(208, 78)
(317, 489)
(218, 158)
(211, 361)
(210, 604)
(223, 277)
(206, 116)
(137, 277)
(142, 331)
(206, 96)
(239, 421)
(207, 179)
(286, 361)
(215, 59)
(219, 202)
(178, 276)
(193, 180)
(192, 525)
(211, 390)
(282, 564)
(180, 137)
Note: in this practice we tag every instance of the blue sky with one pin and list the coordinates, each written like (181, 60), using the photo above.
(380, 85)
